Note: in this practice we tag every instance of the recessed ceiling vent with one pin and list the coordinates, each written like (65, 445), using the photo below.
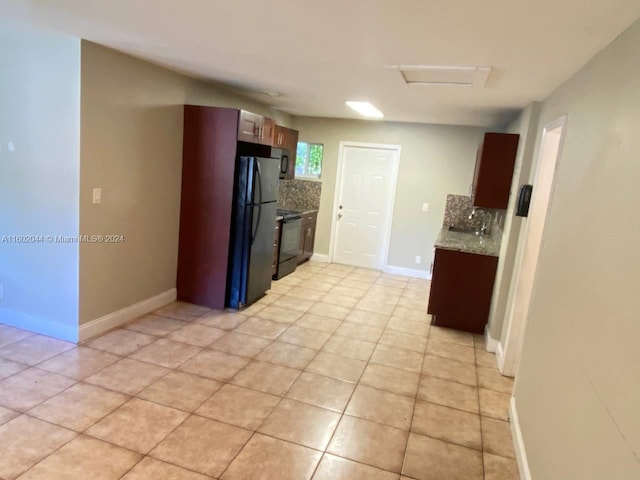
(475, 77)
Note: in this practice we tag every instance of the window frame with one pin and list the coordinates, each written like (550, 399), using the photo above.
(307, 175)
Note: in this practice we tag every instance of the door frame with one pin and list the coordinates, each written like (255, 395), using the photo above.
(397, 149)
(509, 349)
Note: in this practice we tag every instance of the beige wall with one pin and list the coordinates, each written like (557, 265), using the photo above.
(525, 125)
(435, 160)
(39, 179)
(578, 387)
(131, 147)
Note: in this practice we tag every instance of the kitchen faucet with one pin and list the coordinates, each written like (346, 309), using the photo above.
(485, 226)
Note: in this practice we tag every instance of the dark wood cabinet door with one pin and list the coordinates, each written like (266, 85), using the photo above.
(276, 247)
(249, 126)
(309, 240)
(254, 128)
(494, 170)
(287, 138)
(280, 136)
(307, 236)
(461, 290)
(292, 147)
(267, 130)
(303, 237)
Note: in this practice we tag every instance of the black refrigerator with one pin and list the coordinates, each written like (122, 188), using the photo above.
(253, 225)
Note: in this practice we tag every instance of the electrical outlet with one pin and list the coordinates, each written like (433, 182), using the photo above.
(1, 291)
(418, 259)
(425, 207)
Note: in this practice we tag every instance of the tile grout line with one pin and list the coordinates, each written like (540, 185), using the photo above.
(475, 357)
(415, 402)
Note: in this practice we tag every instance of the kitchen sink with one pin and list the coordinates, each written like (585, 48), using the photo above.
(475, 231)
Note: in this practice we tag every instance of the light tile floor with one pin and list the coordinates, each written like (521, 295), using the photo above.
(335, 374)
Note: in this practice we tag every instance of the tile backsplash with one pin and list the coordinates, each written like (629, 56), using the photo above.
(299, 194)
(459, 207)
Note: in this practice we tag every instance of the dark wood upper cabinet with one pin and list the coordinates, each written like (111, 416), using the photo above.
(249, 126)
(494, 170)
(254, 128)
(287, 138)
(292, 147)
(266, 134)
(280, 135)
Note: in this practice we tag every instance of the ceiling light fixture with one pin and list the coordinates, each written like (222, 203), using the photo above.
(365, 109)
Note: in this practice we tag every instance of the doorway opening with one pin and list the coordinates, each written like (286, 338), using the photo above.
(523, 284)
(363, 204)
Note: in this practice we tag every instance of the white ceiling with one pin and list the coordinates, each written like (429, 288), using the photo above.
(318, 54)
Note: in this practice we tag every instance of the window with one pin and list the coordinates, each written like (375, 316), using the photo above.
(309, 160)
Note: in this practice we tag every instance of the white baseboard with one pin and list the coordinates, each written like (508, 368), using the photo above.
(407, 272)
(518, 442)
(117, 318)
(500, 358)
(30, 323)
(321, 258)
(490, 342)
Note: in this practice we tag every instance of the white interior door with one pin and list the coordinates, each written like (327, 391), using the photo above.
(364, 204)
(523, 285)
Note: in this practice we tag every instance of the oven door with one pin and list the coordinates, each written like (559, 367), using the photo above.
(290, 240)
(289, 247)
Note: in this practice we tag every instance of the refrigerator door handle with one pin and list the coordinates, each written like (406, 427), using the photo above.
(253, 235)
(259, 183)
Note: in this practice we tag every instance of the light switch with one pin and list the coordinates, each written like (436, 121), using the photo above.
(425, 207)
(97, 195)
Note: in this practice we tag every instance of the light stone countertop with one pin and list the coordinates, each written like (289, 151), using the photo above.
(468, 242)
